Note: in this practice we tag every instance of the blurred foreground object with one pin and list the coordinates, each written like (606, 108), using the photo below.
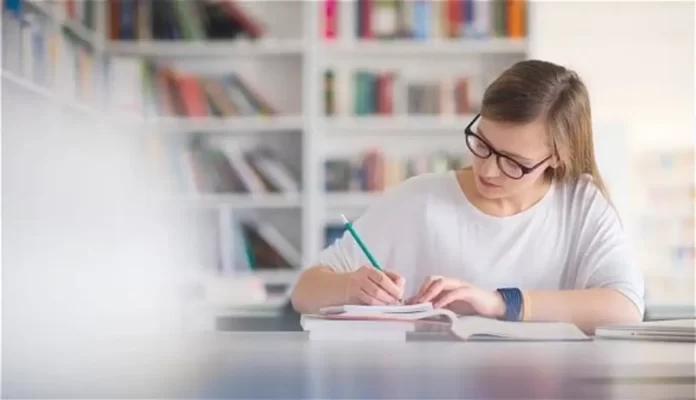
(93, 258)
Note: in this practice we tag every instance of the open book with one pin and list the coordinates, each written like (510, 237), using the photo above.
(465, 328)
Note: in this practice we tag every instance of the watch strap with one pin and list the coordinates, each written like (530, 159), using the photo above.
(514, 303)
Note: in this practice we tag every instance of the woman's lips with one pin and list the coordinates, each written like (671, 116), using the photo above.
(488, 184)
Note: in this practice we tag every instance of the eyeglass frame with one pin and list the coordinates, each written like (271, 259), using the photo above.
(525, 169)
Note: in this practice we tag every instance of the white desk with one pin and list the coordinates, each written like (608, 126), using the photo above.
(287, 365)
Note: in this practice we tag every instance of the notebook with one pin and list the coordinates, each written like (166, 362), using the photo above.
(395, 321)
(679, 330)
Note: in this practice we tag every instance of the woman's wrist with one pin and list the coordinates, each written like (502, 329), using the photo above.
(526, 307)
(501, 307)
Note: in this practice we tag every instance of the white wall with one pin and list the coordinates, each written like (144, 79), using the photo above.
(637, 59)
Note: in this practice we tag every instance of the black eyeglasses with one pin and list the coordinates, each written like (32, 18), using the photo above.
(480, 148)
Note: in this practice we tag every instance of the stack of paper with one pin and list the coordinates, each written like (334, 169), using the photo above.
(355, 322)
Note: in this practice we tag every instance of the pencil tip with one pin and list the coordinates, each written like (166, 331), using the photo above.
(345, 220)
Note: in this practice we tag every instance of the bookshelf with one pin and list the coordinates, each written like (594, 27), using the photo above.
(426, 49)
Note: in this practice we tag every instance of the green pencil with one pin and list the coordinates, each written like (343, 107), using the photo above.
(349, 226)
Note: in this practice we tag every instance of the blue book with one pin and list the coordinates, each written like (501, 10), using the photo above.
(13, 6)
(421, 19)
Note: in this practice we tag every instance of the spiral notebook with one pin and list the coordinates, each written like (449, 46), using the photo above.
(396, 321)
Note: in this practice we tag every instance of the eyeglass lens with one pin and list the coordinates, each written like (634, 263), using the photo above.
(482, 150)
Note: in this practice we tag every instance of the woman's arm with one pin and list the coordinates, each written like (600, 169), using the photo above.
(322, 287)
(318, 287)
(341, 273)
(586, 308)
(605, 285)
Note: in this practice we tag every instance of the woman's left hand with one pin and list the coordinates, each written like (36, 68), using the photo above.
(460, 297)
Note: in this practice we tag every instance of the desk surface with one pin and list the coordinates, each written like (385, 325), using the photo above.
(287, 365)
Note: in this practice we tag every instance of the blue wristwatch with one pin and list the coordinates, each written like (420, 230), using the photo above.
(512, 297)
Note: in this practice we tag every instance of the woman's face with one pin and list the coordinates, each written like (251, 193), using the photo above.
(504, 151)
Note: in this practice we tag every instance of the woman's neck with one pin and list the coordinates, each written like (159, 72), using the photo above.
(502, 207)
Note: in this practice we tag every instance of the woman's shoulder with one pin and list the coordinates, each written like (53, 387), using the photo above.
(581, 189)
(428, 180)
(584, 197)
(415, 189)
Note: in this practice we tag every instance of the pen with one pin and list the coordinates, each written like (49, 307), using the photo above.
(367, 253)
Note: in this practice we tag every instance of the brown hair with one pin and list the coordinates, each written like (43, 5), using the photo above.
(533, 89)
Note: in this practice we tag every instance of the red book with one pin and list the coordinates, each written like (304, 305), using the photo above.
(386, 88)
(114, 22)
(330, 19)
(462, 96)
(455, 17)
(192, 96)
(366, 18)
(71, 10)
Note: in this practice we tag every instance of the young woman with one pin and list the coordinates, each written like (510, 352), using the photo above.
(528, 232)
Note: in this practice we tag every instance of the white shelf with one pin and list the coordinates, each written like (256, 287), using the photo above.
(50, 94)
(350, 199)
(222, 48)
(407, 47)
(246, 201)
(274, 276)
(399, 124)
(266, 124)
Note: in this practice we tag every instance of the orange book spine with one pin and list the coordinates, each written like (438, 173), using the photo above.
(516, 19)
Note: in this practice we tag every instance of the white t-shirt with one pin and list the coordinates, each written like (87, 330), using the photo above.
(571, 239)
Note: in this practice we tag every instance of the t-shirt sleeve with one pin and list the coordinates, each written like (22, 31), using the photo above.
(378, 227)
(605, 255)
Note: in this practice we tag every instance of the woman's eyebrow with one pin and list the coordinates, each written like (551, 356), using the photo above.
(507, 153)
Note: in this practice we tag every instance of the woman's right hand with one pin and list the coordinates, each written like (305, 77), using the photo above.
(370, 286)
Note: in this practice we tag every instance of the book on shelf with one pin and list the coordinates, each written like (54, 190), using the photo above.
(170, 92)
(251, 244)
(388, 93)
(190, 20)
(424, 19)
(44, 53)
(205, 166)
(81, 12)
(376, 171)
(55, 59)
